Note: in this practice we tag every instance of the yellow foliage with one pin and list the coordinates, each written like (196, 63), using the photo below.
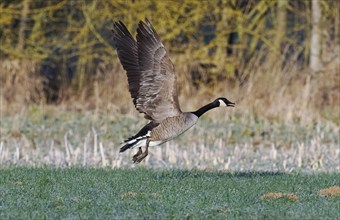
(196, 29)
(209, 41)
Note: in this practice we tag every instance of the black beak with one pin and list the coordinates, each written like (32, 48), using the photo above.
(230, 104)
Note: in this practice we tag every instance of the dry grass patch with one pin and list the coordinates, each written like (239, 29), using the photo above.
(330, 191)
(277, 195)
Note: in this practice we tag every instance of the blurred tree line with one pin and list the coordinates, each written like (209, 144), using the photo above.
(71, 39)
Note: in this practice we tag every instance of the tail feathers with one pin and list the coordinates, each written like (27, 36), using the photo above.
(131, 142)
(136, 140)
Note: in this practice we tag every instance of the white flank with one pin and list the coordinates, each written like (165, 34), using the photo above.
(142, 143)
(131, 141)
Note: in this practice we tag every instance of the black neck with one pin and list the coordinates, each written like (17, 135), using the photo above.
(206, 108)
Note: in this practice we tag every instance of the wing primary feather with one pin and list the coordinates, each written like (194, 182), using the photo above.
(128, 55)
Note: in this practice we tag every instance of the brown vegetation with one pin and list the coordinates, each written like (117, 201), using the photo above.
(331, 191)
(275, 195)
(253, 52)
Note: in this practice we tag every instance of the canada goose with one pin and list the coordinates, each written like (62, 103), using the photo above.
(152, 84)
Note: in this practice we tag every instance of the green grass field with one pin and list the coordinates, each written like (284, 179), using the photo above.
(87, 193)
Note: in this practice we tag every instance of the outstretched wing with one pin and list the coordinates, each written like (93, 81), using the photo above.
(151, 76)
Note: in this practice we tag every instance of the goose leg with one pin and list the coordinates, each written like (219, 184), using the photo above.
(134, 158)
(141, 157)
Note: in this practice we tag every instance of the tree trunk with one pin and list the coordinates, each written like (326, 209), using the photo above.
(22, 27)
(281, 23)
(315, 44)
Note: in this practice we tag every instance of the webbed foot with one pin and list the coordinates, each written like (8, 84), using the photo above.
(134, 158)
(137, 158)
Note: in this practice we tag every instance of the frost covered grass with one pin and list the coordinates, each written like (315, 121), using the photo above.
(235, 143)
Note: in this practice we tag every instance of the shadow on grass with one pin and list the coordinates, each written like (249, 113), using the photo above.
(178, 174)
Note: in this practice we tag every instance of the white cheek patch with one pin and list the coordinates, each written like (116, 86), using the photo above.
(222, 104)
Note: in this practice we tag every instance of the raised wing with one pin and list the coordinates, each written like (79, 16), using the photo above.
(152, 81)
(128, 55)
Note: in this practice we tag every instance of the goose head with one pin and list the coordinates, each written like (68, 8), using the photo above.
(223, 102)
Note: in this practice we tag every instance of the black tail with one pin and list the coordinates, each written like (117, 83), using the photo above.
(131, 142)
(141, 135)
(125, 147)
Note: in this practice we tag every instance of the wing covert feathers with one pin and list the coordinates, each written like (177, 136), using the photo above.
(151, 75)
